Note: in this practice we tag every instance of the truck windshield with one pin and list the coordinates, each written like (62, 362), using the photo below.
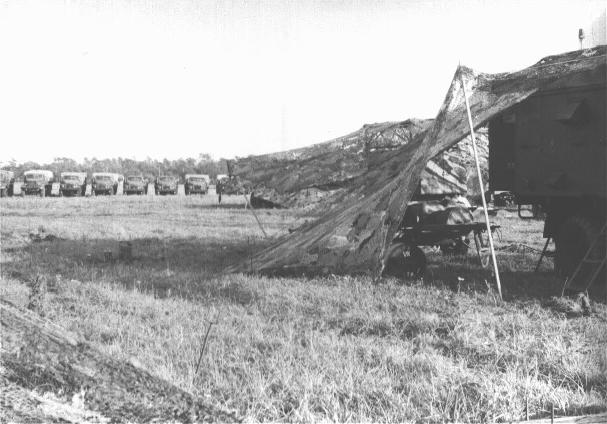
(34, 177)
(71, 178)
(167, 179)
(197, 179)
(134, 179)
(103, 178)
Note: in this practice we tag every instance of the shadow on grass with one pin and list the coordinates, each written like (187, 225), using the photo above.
(171, 266)
(184, 265)
(216, 206)
(515, 285)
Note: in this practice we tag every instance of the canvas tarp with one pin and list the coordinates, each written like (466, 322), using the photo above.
(353, 236)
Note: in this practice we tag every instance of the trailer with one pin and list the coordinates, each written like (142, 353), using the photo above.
(551, 151)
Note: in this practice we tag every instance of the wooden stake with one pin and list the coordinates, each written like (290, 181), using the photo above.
(480, 184)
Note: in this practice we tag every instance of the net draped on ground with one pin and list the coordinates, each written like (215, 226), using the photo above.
(353, 235)
(48, 375)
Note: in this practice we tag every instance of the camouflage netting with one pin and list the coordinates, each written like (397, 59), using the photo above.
(353, 235)
(48, 375)
(311, 177)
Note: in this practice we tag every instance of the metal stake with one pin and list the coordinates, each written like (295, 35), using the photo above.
(480, 184)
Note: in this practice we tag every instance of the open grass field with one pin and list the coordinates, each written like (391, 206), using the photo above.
(335, 348)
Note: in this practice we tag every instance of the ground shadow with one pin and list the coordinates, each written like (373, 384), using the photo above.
(161, 265)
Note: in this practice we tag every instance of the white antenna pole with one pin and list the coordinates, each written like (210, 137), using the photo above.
(480, 184)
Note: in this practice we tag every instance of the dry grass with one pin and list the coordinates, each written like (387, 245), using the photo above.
(336, 348)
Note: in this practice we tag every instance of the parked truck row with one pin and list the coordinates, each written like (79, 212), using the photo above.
(44, 183)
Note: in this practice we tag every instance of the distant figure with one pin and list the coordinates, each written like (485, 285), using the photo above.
(219, 190)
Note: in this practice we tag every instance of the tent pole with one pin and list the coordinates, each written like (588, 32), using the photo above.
(480, 184)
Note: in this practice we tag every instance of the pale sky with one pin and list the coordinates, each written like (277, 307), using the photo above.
(175, 78)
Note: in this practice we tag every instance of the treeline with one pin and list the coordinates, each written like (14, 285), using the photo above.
(149, 168)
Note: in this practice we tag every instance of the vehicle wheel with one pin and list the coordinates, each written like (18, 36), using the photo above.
(405, 261)
(458, 247)
(2, 192)
(574, 238)
(43, 193)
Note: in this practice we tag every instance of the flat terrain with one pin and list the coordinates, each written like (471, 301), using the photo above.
(334, 348)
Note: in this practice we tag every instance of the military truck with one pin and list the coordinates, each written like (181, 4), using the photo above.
(105, 183)
(37, 181)
(197, 184)
(135, 184)
(550, 150)
(73, 184)
(7, 179)
(166, 184)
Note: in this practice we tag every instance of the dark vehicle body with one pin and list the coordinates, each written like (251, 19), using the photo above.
(105, 183)
(37, 182)
(73, 183)
(551, 151)
(196, 184)
(166, 184)
(135, 184)
(7, 180)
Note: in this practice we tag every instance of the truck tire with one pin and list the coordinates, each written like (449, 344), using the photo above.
(573, 239)
(404, 262)
(459, 247)
(43, 192)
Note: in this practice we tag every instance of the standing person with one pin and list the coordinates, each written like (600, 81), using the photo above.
(218, 190)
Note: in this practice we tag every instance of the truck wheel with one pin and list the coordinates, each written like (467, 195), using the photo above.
(2, 192)
(405, 261)
(573, 239)
(43, 192)
(458, 247)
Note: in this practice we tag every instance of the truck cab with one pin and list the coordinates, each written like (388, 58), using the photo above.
(73, 183)
(196, 184)
(105, 183)
(166, 184)
(7, 179)
(135, 184)
(38, 182)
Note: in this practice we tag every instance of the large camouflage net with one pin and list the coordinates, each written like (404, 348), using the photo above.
(360, 222)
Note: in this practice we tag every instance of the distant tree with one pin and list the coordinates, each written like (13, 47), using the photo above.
(149, 168)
